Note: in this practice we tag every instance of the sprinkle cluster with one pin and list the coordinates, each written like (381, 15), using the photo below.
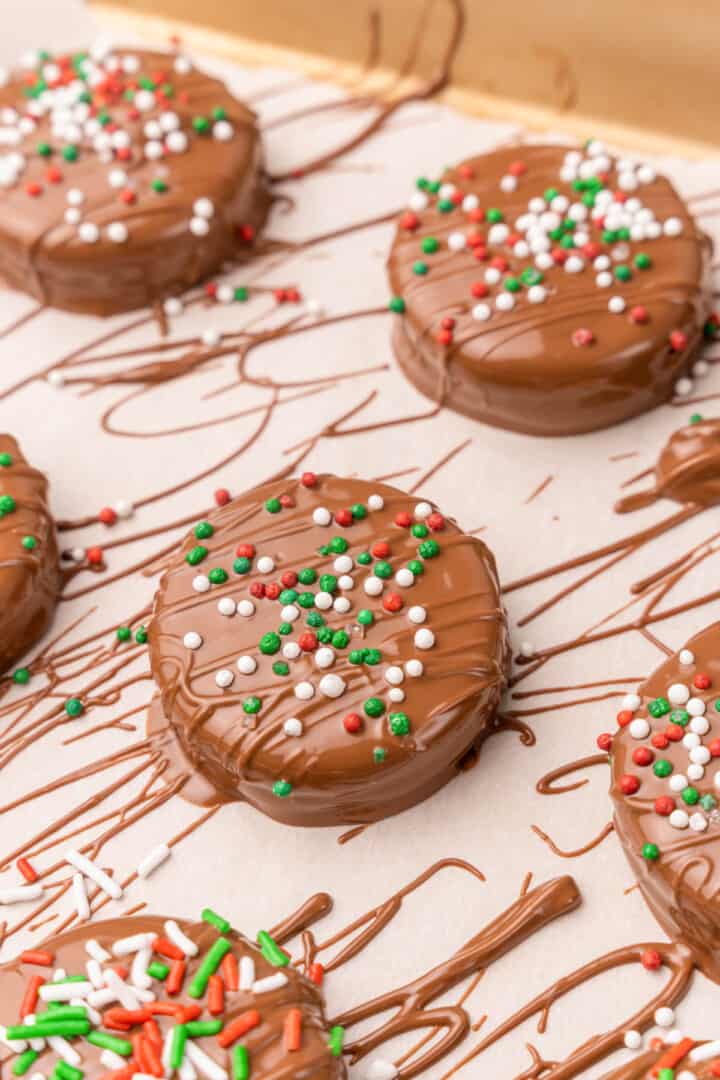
(120, 1004)
(677, 1050)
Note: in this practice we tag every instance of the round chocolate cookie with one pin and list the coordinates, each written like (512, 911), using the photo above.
(665, 761)
(29, 569)
(329, 649)
(155, 997)
(125, 177)
(687, 471)
(682, 1060)
(547, 290)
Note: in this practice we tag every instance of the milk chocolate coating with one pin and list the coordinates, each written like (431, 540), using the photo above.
(520, 369)
(43, 255)
(265, 1042)
(687, 471)
(29, 577)
(645, 1066)
(393, 759)
(681, 885)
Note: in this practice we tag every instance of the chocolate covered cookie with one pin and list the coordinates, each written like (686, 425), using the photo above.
(684, 1059)
(146, 996)
(29, 569)
(125, 177)
(547, 290)
(329, 649)
(665, 760)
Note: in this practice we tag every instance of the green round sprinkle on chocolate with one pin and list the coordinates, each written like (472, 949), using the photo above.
(281, 668)
(690, 796)
(7, 504)
(252, 705)
(217, 575)
(420, 268)
(307, 576)
(340, 639)
(662, 767)
(21, 676)
(419, 530)
(196, 555)
(429, 245)
(396, 304)
(642, 261)
(416, 567)
(623, 273)
(287, 596)
(282, 788)
(315, 619)
(141, 635)
(383, 569)
(269, 644)
(203, 530)
(373, 657)
(429, 549)
(328, 583)
(679, 716)
(74, 707)
(29, 543)
(306, 599)
(273, 506)
(493, 215)
(241, 294)
(374, 706)
(338, 545)
(285, 628)
(357, 656)
(123, 633)
(242, 565)
(379, 755)
(364, 558)
(325, 635)
(651, 852)
(6, 460)
(399, 723)
(365, 617)
(358, 511)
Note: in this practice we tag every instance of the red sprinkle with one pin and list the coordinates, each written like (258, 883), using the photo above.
(436, 522)
(287, 501)
(674, 732)
(41, 957)
(714, 747)
(29, 873)
(403, 519)
(257, 589)
(245, 551)
(107, 515)
(466, 171)
(664, 805)
(642, 755)
(34, 189)
(246, 233)
(444, 337)
(352, 723)
(293, 1030)
(30, 998)
(94, 556)
(216, 995)
(308, 479)
(639, 314)
(517, 168)
(479, 289)
(678, 341)
(230, 972)
(392, 602)
(604, 741)
(272, 590)
(316, 973)
(660, 741)
(308, 641)
(702, 681)
(409, 221)
(629, 784)
(583, 336)
(289, 580)
(238, 1027)
(174, 981)
(624, 717)
(344, 518)
(381, 549)
(222, 496)
(651, 959)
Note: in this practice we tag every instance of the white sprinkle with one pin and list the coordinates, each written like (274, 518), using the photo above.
(417, 614)
(94, 973)
(678, 693)
(423, 510)
(293, 727)
(664, 1017)
(332, 686)
(632, 702)
(94, 948)
(247, 972)
(527, 648)
(20, 893)
(109, 1059)
(639, 728)
(227, 606)
(700, 725)
(182, 65)
(381, 1070)
(678, 782)
(679, 819)
(117, 232)
(673, 226)
(103, 881)
(16, 1045)
(690, 740)
(82, 905)
(325, 658)
(225, 294)
(418, 201)
(290, 613)
(75, 197)
(683, 387)
(291, 650)
(537, 294)
(396, 694)
(180, 939)
(89, 232)
(224, 678)
(304, 691)
(492, 275)
(633, 1040)
(321, 515)
(456, 241)
(706, 1052)
(424, 639)
(341, 605)
(414, 668)
(470, 202)
(138, 971)
(152, 860)
(604, 279)
(343, 564)
(323, 601)
(192, 640)
(199, 226)
(405, 578)
(201, 583)
(696, 706)
(265, 565)
(64, 1050)
(204, 1064)
(211, 336)
(100, 998)
(246, 608)
(695, 772)
(128, 946)
(177, 142)
(505, 301)
(223, 131)
(373, 586)
(56, 379)
(376, 502)
(698, 822)
(616, 305)
(272, 982)
(64, 991)
(394, 675)
(481, 312)
(574, 265)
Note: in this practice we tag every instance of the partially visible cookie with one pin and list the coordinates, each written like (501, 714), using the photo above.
(29, 568)
(681, 1060)
(547, 290)
(125, 177)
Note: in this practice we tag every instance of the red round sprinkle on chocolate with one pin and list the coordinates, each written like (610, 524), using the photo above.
(289, 579)
(436, 522)
(702, 681)
(448, 323)
(344, 518)
(211, 289)
(409, 221)
(629, 784)
(624, 717)
(643, 755)
(222, 496)
(499, 263)
(466, 171)
(517, 168)
(479, 289)
(674, 732)
(352, 723)
(257, 589)
(308, 479)
(403, 519)
(107, 515)
(604, 740)
(272, 590)
(660, 741)
(392, 602)
(714, 747)
(651, 959)
(94, 556)
(287, 501)
(678, 341)
(444, 337)
(245, 551)
(582, 336)
(381, 549)
(639, 314)
(664, 805)
(308, 641)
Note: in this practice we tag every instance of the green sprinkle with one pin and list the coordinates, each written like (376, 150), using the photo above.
(493, 215)
(642, 261)
(200, 1028)
(270, 644)
(21, 676)
(690, 796)
(338, 545)
(328, 583)
(74, 707)
(159, 185)
(111, 1042)
(70, 153)
(287, 596)
(5, 460)
(651, 852)
(273, 506)
(208, 967)
(365, 617)
(373, 657)
(141, 635)
(512, 284)
(429, 549)
(284, 628)
(696, 418)
(358, 511)
(201, 124)
(337, 1037)
(708, 802)
(679, 716)
(203, 530)
(306, 600)
(219, 113)
(399, 723)
(396, 304)
(240, 1062)
(420, 268)
(662, 767)
(241, 293)
(271, 950)
(44, 1028)
(252, 705)
(549, 194)
(623, 273)
(67, 1072)
(530, 276)
(123, 633)
(158, 970)
(196, 555)
(383, 569)
(429, 245)
(307, 576)
(7, 504)
(280, 668)
(177, 1046)
(217, 575)
(24, 1061)
(379, 755)
(282, 788)
(340, 639)
(216, 920)
(357, 656)
(374, 706)
(659, 707)
(29, 543)
(416, 567)
(44, 149)
(419, 530)
(242, 565)
(315, 619)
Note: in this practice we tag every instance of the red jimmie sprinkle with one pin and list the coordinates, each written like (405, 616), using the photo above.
(31, 996)
(714, 747)
(238, 1027)
(41, 957)
(168, 949)
(27, 871)
(292, 1031)
(215, 995)
(176, 978)
(316, 973)
(230, 972)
